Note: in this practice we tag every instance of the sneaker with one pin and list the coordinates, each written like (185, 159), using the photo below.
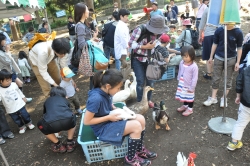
(207, 76)
(137, 161)
(222, 102)
(58, 148)
(22, 130)
(231, 146)
(182, 108)
(2, 141)
(28, 80)
(31, 126)
(210, 101)
(187, 112)
(29, 100)
(79, 111)
(71, 146)
(146, 154)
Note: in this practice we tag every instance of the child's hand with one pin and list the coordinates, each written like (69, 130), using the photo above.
(189, 91)
(114, 117)
(25, 100)
(237, 100)
(77, 89)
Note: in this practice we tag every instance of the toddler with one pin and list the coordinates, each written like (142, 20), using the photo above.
(24, 66)
(187, 9)
(110, 127)
(173, 35)
(69, 85)
(187, 76)
(14, 101)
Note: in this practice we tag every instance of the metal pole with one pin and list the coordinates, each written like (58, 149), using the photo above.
(3, 157)
(225, 72)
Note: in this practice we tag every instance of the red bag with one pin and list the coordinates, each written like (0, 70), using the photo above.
(85, 68)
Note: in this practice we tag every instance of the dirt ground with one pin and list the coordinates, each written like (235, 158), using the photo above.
(187, 134)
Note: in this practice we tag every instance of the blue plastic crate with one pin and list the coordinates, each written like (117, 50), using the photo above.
(169, 74)
(96, 150)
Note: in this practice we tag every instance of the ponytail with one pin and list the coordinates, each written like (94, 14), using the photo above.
(111, 76)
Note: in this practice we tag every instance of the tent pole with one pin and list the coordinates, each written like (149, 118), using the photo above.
(225, 72)
(3, 157)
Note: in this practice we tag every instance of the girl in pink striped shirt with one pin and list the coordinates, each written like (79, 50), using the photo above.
(187, 76)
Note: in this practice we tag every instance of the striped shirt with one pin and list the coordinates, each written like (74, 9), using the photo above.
(137, 46)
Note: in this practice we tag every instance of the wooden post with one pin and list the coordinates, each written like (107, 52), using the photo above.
(15, 35)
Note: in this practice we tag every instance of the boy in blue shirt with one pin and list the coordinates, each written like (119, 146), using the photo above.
(155, 11)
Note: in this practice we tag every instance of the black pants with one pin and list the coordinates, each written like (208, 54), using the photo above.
(190, 104)
(4, 127)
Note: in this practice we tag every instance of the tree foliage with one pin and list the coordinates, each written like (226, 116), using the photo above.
(67, 5)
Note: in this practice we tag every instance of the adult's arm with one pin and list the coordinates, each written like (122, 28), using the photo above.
(81, 35)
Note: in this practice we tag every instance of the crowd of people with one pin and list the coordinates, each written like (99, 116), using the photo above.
(165, 32)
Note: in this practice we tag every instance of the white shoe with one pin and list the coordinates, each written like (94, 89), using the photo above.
(22, 130)
(222, 102)
(29, 100)
(210, 101)
(31, 126)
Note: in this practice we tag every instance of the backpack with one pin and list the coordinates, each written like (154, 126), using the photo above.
(97, 57)
(245, 50)
(195, 37)
(41, 37)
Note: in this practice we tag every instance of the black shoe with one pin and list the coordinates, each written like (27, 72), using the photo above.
(207, 77)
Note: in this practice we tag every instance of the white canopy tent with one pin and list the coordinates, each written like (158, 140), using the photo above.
(11, 8)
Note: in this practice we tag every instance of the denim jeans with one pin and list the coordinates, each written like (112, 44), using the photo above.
(108, 50)
(140, 74)
(21, 116)
(118, 64)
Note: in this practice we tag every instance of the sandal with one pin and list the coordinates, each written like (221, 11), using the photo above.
(2, 141)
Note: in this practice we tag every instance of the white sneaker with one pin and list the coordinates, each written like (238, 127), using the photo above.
(22, 130)
(222, 102)
(29, 100)
(31, 126)
(210, 101)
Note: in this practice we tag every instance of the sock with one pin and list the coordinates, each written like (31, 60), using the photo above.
(235, 143)
(132, 146)
(69, 140)
(191, 109)
(58, 143)
(139, 147)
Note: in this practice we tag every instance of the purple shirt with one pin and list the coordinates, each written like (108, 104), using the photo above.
(190, 75)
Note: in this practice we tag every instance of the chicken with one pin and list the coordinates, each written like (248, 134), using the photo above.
(132, 87)
(182, 161)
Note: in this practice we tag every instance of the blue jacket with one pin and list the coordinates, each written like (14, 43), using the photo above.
(168, 15)
(242, 86)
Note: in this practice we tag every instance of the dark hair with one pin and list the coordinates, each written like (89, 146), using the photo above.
(111, 76)
(80, 8)
(4, 74)
(188, 26)
(91, 10)
(102, 22)
(44, 23)
(172, 26)
(188, 50)
(61, 45)
(168, 6)
(183, 16)
(116, 15)
(2, 37)
(31, 29)
(22, 55)
(57, 91)
(123, 12)
(70, 17)
(171, 0)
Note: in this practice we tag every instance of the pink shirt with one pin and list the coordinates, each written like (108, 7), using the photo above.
(201, 9)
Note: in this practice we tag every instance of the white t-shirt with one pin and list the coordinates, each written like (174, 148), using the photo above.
(121, 39)
(12, 98)
(68, 86)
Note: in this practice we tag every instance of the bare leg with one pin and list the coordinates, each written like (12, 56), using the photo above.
(52, 138)
(214, 93)
(71, 133)
(209, 68)
(19, 82)
(226, 93)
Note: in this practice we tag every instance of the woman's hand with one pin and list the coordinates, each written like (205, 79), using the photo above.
(114, 117)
